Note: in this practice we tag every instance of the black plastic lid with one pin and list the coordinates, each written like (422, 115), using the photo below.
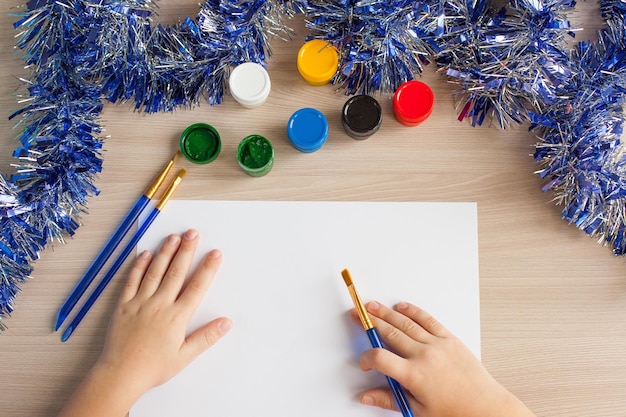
(361, 116)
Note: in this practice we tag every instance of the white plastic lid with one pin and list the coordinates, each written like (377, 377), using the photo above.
(249, 84)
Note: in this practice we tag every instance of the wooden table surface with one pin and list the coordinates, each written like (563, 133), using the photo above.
(553, 301)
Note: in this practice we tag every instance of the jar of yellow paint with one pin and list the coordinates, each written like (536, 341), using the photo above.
(318, 61)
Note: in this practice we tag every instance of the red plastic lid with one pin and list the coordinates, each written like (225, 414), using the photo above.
(413, 102)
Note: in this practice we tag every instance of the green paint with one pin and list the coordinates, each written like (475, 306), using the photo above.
(255, 155)
(200, 143)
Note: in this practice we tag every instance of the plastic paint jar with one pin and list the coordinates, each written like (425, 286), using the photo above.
(255, 155)
(200, 143)
(361, 116)
(317, 62)
(413, 103)
(307, 129)
(249, 84)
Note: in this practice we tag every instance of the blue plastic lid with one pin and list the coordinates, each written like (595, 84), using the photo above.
(307, 129)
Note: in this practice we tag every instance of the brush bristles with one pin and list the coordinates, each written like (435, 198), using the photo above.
(346, 277)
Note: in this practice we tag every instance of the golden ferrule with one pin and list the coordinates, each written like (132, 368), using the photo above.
(152, 189)
(360, 308)
(170, 190)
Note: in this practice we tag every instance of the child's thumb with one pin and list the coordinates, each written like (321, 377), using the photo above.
(206, 336)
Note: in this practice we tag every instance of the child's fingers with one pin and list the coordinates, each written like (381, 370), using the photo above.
(399, 321)
(387, 363)
(393, 338)
(382, 398)
(205, 337)
(133, 281)
(379, 397)
(161, 262)
(423, 318)
(179, 266)
(198, 284)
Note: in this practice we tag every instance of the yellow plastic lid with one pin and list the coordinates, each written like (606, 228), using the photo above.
(318, 61)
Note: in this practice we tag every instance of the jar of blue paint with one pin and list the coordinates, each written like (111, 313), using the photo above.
(307, 129)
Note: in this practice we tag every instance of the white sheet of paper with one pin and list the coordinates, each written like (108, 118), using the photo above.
(293, 350)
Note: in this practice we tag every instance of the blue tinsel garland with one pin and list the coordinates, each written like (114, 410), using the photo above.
(511, 64)
(82, 52)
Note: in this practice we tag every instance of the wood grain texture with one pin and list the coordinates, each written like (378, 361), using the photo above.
(553, 301)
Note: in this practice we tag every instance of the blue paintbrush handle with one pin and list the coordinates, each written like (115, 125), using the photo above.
(110, 274)
(102, 258)
(396, 388)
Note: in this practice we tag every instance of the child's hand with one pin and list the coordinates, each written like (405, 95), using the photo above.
(146, 343)
(443, 378)
(146, 339)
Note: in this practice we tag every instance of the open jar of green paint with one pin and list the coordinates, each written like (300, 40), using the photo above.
(255, 155)
(200, 143)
